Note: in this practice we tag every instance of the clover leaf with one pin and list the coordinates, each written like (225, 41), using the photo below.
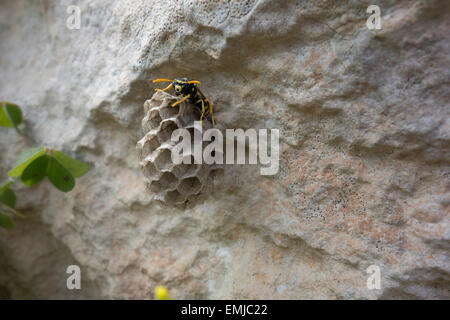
(8, 198)
(10, 115)
(34, 164)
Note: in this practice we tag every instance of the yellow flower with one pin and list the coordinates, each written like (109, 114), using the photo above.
(161, 293)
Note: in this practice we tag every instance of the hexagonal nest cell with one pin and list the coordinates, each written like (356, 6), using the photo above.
(171, 184)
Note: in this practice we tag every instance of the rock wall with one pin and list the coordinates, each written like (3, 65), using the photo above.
(364, 133)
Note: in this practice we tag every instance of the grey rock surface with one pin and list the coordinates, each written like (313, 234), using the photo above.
(364, 133)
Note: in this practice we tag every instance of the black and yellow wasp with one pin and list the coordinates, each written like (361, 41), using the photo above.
(189, 91)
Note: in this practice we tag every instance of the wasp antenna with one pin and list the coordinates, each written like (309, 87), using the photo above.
(194, 81)
(159, 80)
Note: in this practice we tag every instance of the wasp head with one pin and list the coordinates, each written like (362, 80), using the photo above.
(183, 87)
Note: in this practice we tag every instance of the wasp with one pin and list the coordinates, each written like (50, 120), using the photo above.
(189, 91)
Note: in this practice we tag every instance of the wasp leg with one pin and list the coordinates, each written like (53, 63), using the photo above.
(168, 87)
(203, 113)
(194, 81)
(211, 112)
(180, 101)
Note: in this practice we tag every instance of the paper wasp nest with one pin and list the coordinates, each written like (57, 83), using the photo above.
(172, 184)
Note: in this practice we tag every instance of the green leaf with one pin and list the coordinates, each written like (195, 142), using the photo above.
(75, 167)
(6, 222)
(6, 185)
(27, 154)
(26, 157)
(35, 171)
(59, 176)
(8, 198)
(10, 115)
